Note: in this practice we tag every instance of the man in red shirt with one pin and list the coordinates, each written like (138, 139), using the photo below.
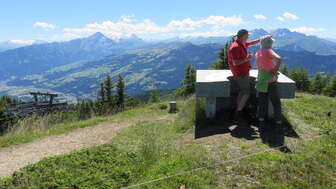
(239, 64)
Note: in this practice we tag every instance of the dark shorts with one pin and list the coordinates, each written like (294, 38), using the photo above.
(244, 84)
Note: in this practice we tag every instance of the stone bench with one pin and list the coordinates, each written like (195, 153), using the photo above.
(216, 86)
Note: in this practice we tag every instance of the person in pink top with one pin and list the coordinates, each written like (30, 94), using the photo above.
(265, 59)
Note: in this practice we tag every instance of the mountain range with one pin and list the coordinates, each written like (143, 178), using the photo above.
(331, 39)
(157, 66)
(14, 44)
(75, 68)
(42, 57)
(285, 39)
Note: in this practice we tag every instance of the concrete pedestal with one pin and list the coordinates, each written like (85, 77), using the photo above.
(210, 107)
(217, 89)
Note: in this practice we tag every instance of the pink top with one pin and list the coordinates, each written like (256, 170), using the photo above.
(265, 61)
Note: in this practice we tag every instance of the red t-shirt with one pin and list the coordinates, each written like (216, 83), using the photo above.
(239, 51)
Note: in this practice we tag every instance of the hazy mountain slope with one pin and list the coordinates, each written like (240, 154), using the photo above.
(13, 44)
(331, 39)
(310, 61)
(286, 38)
(158, 66)
(199, 40)
(39, 58)
(296, 57)
(75, 68)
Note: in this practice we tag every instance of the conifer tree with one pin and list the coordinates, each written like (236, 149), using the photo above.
(223, 62)
(154, 96)
(81, 109)
(333, 87)
(108, 90)
(188, 84)
(90, 108)
(284, 69)
(120, 92)
(101, 92)
(330, 89)
(318, 83)
(300, 76)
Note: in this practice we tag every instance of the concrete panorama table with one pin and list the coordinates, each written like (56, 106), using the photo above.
(215, 86)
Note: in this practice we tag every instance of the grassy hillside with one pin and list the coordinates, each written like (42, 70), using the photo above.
(155, 149)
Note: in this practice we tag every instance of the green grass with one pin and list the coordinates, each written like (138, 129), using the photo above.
(311, 166)
(35, 127)
(25, 136)
(140, 153)
(314, 109)
(313, 163)
(152, 150)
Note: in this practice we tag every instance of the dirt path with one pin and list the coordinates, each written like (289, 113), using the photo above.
(15, 157)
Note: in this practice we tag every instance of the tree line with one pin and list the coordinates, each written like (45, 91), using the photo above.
(321, 83)
(111, 99)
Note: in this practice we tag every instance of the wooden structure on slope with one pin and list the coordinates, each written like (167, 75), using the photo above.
(43, 103)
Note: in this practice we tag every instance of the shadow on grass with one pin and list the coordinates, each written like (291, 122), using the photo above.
(247, 129)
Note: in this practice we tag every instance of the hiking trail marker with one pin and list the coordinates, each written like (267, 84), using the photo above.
(218, 89)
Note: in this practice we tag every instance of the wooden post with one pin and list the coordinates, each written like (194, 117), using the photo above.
(172, 107)
(35, 98)
(51, 100)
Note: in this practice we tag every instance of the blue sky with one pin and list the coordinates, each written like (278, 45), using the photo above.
(66, 19)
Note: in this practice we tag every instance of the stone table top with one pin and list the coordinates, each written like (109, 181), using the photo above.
(206, 76)
(215, 83)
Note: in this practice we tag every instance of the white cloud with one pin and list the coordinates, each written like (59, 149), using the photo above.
(260, 16)
(197, 34)
(290, 16)
(287, 16)
(280, 19)
(118, 29)
(207, 34)
(22, 42)
(185, 24)
(308, 30)
(127, 18)
(128, 25)
(222, 21)
(44, 25)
